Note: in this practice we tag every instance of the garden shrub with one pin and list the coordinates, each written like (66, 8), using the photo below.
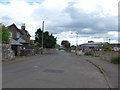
(115, 60)
(107, 48)
(37, 48)
(89, 53)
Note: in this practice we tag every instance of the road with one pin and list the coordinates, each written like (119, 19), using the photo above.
(58, 70)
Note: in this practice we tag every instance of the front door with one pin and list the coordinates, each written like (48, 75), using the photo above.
(14, 48)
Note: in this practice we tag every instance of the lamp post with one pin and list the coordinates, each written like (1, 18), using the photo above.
(42, 37)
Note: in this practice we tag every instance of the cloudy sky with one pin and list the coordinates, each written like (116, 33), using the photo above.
(95, 20)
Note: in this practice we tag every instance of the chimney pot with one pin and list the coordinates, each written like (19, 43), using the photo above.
(23, 26)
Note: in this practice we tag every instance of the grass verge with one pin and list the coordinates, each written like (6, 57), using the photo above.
(99, 68)
(115, 60)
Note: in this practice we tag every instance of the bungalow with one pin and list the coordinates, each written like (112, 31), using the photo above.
(115, 46)
(97, 45)
(92, 45)
(20, 38)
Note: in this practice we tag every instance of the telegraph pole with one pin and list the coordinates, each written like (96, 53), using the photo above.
(76, 42)
(42, 37)
(109, 40)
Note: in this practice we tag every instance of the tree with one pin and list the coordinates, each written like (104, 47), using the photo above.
(38, 37)
(65, 43)
(73, 47)
(106, 47)
(4, 34)
(31, 42)
(49, 40)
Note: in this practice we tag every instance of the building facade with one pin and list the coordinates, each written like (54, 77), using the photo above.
(20, 38)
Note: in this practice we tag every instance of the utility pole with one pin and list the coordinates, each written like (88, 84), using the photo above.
(42, 37)
(109, 40)
(76, 42)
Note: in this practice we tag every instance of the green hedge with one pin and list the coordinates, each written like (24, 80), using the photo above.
(115, 60)
(89, 53)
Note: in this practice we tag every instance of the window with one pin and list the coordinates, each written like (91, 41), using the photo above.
(18, 35)
(11, 34)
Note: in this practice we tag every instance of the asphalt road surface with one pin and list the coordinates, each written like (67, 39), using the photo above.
(58, 70)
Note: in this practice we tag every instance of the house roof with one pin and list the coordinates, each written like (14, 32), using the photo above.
(93, 43)
(16, 28)
(26, 32)
(14, 42)
(19, 29)
(114, 44)
(20, 40)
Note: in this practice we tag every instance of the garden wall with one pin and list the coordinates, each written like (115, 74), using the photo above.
(7, 53)
(103, 55)
(29, 52)
(106, 55)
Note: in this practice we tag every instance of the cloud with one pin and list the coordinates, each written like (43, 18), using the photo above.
(90, 18)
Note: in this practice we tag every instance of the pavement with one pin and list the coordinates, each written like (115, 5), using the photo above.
(58, 70)
(110, 70)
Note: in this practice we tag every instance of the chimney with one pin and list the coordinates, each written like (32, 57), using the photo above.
(23, 27)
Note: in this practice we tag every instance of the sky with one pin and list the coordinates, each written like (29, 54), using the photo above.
(95, 20)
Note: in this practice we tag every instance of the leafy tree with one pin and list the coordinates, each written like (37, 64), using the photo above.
(48, 40)
(4, 34)
(38, 37)
(31, 42)
(57, 46)
(73, 47)
(107, 48)
(65, 43)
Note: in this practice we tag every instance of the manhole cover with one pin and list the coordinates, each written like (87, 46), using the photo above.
(53, 71)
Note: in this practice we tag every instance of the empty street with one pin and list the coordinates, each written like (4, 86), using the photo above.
(56, 70)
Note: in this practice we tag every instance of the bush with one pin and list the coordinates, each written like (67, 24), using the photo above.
(61, 49)
(89, 53)
(115, 60)
(31, 42)
(37, 48)
(107, 48)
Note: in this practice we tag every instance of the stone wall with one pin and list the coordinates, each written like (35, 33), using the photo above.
(28, 52)
(49, 51)
(103, 55)
(106, 55)
(19, 48)
(0, 53)
(7, 53)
